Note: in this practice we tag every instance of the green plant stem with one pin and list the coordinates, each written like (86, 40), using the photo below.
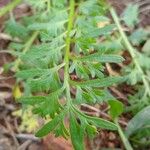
(131, 50)
(123, 137)
(66, 57)
(27, 47)
(9, 7)
(48, 5)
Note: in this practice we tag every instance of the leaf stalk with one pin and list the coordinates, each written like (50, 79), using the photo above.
(9, 7)
(123, 137)
(67, 53)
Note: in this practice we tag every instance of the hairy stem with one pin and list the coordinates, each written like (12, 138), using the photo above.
(123, 137)
(9, 7)
(131, 50)
(68, 44)
(27, 47)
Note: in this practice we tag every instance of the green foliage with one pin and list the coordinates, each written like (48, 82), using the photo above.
(103, 58)
(105, 82)
(130, 15)
(139, 121)
(116, 108)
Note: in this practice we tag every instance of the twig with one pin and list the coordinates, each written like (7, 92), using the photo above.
(11, 132)
(119, 94)
(111, 71)
(6, 85)
(5, 51)
(25, 145)
(6, 78)
(27, 137)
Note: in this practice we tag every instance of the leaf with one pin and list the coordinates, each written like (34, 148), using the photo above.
(37, 72)
(91, 131)
(144, 61)
(96, 32)
(16, 29)
(116, 108)
(54, 26)
(138, 36)
(77, 133)
(104, 82)
(41, 51)
(102, 58)
(33, 100)
(79, 94)
(51, 125)
(31, 73)
(89, 7)
(133, 76)
(101, 123)
(50, 26)
(146, 47)
(62, 131)
(140, 120)
(98, 122)
(130, 15)
(102, 95)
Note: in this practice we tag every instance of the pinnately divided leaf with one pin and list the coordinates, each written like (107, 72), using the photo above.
(105, 82)
(102, 58)
(98, 121)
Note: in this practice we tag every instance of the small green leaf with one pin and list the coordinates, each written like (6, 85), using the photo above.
(31, 73)
(140, 120)
(138, 36)
(91, 130)
(101, 123)
(33, 100)
(51, 125)
(101, 31)
(48, 127)
(77, 133)
(146, 47)
(62, 131)
(130, 15)
(116, 108)
(105, 82)
(102, 58)
(98, 122)
(15, 29)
